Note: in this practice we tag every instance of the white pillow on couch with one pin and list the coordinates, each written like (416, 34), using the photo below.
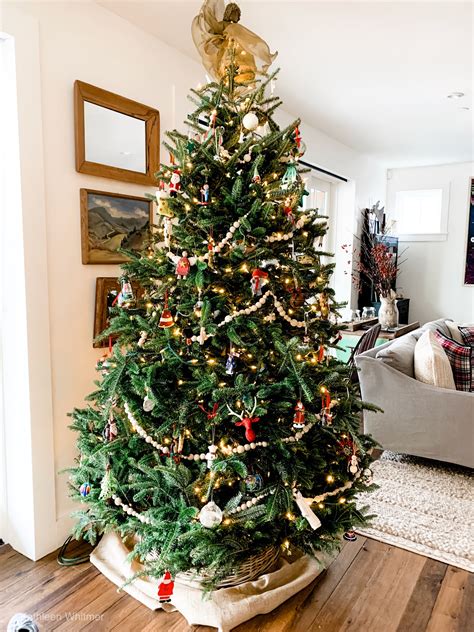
(454, 332)
(432, 365)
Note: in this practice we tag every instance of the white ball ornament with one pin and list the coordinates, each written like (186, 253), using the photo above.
(210, 515)
(250, 121)
(240, 449)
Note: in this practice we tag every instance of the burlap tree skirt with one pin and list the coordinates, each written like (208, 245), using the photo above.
(225, 608)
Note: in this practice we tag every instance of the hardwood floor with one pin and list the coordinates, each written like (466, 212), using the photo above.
(370, 587)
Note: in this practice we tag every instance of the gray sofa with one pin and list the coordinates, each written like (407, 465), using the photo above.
(418, 419)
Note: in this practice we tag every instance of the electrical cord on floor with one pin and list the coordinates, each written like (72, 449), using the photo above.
(70, 561)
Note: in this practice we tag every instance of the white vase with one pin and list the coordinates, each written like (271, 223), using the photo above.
(388, 312)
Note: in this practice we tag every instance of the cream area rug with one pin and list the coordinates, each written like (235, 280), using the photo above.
(423, 506)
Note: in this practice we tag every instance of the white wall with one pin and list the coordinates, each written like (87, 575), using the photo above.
(366, 185)
(85, 41)
(433, 273)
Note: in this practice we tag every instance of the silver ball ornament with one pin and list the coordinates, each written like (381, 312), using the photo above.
(210, 515)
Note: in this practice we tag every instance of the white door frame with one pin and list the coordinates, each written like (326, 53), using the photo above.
(31, 524)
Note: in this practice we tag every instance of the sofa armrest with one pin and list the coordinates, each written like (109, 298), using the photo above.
(417, 418)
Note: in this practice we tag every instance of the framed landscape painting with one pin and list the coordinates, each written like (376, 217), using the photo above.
(110, 221)
(469, 273)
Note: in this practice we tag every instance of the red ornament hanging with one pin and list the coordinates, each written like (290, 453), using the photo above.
(325, 415)
(166, 319)
(297, 297)
(289, 214)
(259, 279)
(166, 587)
(299, 416)
(175, 183)
(246, 420)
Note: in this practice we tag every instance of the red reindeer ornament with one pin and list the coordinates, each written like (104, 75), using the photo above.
(246, 420)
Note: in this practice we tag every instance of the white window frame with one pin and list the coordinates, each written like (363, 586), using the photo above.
(440, 235)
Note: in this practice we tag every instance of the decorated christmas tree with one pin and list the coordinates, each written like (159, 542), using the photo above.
(223, 427)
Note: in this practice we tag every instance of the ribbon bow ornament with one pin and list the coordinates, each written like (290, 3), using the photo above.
(246, 420)
(211, 414)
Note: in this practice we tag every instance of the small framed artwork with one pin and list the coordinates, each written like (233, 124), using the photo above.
(469, 271)
(110, 221)
(115, 137)
(107, 290)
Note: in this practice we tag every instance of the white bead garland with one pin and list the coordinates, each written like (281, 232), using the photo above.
(130, 511)
(298, 435)
(140, 431)
(249, 310)
(286, 236)
(238, 449)
(247, 504)
(217, 247)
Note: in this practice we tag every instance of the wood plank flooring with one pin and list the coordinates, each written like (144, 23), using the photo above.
(369, 587)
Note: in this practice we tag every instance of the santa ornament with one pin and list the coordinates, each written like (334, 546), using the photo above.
(175, 183)
(165, 589)
(299, 416)
(259, 279)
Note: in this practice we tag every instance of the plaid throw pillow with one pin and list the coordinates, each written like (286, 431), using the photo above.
(461, 360)
(467, 334)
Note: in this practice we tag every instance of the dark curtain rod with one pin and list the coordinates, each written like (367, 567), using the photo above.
(328, 173)
(302, 162)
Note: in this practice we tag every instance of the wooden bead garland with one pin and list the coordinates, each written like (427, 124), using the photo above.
(130, 511)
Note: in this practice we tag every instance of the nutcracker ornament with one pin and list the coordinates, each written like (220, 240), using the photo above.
(166, 587)
(110, 430)
(175, 183)
(204, 194)
(259, 279)
(231, 364)
(299, 416)
(210, 252)
(326, 405)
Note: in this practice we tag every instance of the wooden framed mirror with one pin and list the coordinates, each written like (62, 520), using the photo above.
(115, 137)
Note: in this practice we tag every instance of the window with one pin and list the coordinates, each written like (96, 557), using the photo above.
(422, 214)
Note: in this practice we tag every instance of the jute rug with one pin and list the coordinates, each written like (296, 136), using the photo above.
(423, 506)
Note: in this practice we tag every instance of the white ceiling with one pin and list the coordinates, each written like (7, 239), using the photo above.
(374, 75)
